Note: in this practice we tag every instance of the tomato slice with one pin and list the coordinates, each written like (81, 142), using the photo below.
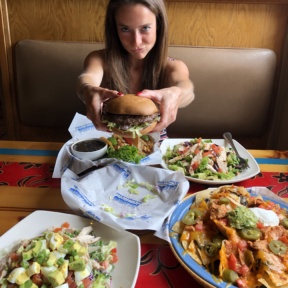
(65, 225)
(232, 262)
(128, 140)
(14, 257)
(87, 282)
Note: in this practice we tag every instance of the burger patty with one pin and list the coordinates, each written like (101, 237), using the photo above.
(124, 122)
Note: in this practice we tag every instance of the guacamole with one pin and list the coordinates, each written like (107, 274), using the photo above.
(242, 217)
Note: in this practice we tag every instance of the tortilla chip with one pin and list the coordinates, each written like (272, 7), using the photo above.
(223, 259)
(192, 251)
(202, 195)
(230, 191)
(178, 227)
(206, 260)
(278, 279)
(266, 281)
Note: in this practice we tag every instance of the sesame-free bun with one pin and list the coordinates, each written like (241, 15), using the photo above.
(130, 115)
(131, 104)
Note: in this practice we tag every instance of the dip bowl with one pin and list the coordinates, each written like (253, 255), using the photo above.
(89, 149)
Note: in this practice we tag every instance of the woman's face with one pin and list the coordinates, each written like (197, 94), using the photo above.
(136, 26)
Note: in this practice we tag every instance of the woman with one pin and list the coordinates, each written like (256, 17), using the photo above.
(135, 61)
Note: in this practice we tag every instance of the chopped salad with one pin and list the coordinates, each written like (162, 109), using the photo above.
(62, 258)
(203, 159)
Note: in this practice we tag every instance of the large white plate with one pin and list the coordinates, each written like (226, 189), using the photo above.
(246, 174)
(198, 272)
(128, 245)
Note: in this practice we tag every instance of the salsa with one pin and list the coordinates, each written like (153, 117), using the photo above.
(89, 145)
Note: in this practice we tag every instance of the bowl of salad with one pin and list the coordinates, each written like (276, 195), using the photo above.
(207, 161)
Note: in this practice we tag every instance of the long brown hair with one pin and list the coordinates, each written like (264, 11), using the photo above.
(117, 56)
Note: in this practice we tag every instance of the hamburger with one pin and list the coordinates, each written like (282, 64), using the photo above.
(130, 115)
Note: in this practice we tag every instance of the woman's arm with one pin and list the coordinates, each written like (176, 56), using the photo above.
(177, 78)
(89, 91)
(179, 93)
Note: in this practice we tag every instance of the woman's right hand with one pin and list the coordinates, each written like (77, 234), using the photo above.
(94, 97)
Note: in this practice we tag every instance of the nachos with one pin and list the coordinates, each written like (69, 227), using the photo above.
(239, 238)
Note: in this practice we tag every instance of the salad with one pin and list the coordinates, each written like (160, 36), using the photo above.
(62, 258)
(203, 159)
(129, 149)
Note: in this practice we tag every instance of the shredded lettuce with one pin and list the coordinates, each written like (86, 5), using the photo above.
(126, 153)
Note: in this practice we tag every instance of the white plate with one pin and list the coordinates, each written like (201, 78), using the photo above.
(128, 245)
(246, 174)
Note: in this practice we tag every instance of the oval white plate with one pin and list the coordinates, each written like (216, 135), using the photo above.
(246, 174)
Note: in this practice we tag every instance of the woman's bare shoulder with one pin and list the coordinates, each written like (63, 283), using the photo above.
(175, 64)
(97, 56)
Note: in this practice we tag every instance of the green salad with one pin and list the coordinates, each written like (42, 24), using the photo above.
(203, 159)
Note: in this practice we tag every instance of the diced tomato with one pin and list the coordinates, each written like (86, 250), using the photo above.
(199, 227)
(70, 280)
(114, 258)
(14, 257)
(195, 165)
(65, 225)
(242, 245)
(243, 270)
(268, 205)
(232, 262)
(128, 140)
(284, 239)
(197, 151)
(114, 255)
(105, 264)
(87, 282)
(216, 149)
(37, 279)
(260, 225)
(57, 229)
(241, 283)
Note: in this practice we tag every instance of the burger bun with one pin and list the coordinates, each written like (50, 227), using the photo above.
(131, 104)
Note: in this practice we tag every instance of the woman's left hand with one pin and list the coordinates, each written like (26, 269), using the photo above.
(168, 101)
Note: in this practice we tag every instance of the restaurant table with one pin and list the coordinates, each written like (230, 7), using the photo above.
(26, 185)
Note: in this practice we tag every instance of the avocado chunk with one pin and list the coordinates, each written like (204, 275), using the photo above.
(27, 255)
(56, 278)
(77, 265)
(33, 252)
(28, 284)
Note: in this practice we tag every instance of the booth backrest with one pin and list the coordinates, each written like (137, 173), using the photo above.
(233, 87)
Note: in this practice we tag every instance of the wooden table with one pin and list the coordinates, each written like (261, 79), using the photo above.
(36, 190)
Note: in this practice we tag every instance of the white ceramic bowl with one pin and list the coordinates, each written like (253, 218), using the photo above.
(89, 149)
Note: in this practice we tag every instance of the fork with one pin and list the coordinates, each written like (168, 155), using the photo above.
(242, 162)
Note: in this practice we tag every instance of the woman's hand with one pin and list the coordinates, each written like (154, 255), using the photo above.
(94, 97)
(179, 93)
(168, 100)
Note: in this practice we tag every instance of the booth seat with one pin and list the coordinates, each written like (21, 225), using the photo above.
(233, 91)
